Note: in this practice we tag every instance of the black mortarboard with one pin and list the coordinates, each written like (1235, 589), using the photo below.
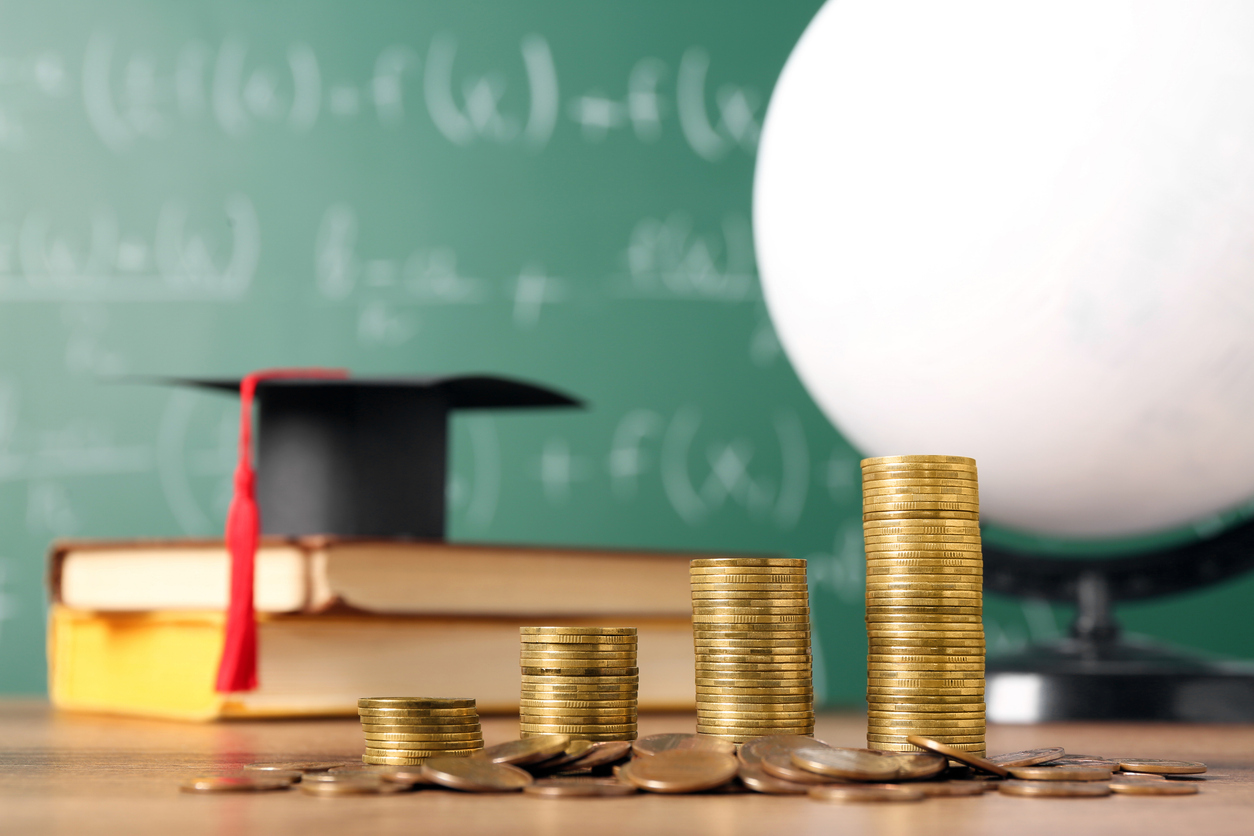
(364, 457)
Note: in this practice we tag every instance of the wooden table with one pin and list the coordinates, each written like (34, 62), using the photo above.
(78, 774)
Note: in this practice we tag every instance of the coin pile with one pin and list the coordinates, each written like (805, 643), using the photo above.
(924, 588)
(404, 731)
(579, 681)
(751, 626)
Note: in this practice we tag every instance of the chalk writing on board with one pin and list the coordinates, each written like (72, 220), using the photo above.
(184, 256)
(87, 347)
(628, 461)
(9, 607)
(727, 472)
(560, 470)
(669, 259)
(533, 289)
(196, 449)
(49, 510)
(130, 97)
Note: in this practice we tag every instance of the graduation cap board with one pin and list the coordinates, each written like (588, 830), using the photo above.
(358, 457)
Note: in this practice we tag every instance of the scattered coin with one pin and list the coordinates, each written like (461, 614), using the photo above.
(857, 794)
(602, 753)
(1158, 767)
(340, 786)
(475, 775)
(655, 744)
(1029, 757)
(1059, 773)
(1124, 786)
(579, 787)
(847, 764)
(778, 764)
(294, 766)
(1056, 789)
(957, 754)
(759, 780)
(240, 782)
(1086, 760)
(681, 771)
(935, 789)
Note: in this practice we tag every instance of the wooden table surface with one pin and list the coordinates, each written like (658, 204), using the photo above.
(76, 774)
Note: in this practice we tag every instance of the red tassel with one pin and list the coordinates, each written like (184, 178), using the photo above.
(238, 668)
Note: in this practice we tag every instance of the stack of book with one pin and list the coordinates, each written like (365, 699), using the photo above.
(137, 627)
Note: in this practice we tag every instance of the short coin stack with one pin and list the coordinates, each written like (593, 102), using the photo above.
(579, 681)
(924, 587)
(751, 625)
(405, 731)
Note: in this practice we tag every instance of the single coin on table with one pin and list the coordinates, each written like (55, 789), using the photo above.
(293, 766)
(939, 789)
(681, 771)
(957, 754)
(777, 762)
(759, 780)
(859, 794)
(1056, 789)
(1060, 773)
(241, 782)
(475, 775)
(657, 743)
(846, 764)
(1086, 760)
(1127, 785)
(602, 753)
(579, 786)
(352, 786)
(1161, 767)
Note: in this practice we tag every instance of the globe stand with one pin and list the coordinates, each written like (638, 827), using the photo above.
(1099, 673)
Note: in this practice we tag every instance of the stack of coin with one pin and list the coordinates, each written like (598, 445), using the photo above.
(404, 731)
(924, 587)
(751, 625)
(579, 681)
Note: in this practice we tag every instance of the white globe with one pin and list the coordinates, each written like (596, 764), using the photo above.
(1024, 232)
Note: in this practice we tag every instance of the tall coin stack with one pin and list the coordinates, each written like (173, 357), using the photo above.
(580, 681)
(751, 626)
(924, 587)
(405, 731)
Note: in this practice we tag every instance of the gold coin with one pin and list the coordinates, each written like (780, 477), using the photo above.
(930, 728)
(779, 619)
(911, 615)
(782, 632)
(954, 656)
(921, 527)
(903, 562)
(880, 568)
(745, 694)
(919, 668)
(591, 651)
(578, 638)
(237, 782)
(879, 461)
(1055, 789)
(681, 771)
(750, 679)
(874, 477)
(790, 571)
(892, 536)
(724, 585)
(1161, 767)
(577, 631)
(976, 749)
(919, 584)
(476, 775)
(434, 714)
(944, 737)
(751, 667)
(737, 562)
(933, 691)
(790, 704)
(931, 503)
(715, 716)
(588, 672)
(589, 684)
(305, 767)
(768, 647)
(1124, 785)
(389, 760)
(473, 741)
(920, 513)
(419, 751)
(957, 642)
(412, 728)
(578, 728)
(354, 785)
(957, 480)
(874, 496)
(415, 702)
(530, 702)
(914, 579)
(707, 655)
(936, 679)
(530, 661)
(656, 743)
(889, 590)
(600, 720)
(752, 606)
(924, 718)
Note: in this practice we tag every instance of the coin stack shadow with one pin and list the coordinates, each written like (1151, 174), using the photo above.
(405, 731)
(924, 588)
(751, 628)
(579, 681)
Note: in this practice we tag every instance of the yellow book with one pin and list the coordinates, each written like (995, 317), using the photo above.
(163, 663)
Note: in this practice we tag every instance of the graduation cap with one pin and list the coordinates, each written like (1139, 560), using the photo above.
(362, 457)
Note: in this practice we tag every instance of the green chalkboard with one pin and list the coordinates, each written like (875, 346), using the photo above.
(558, 191)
